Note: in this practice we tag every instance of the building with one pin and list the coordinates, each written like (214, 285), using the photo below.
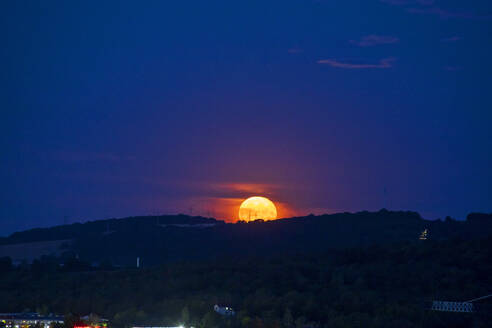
(424, 235)
(28, 319)
(224, 310)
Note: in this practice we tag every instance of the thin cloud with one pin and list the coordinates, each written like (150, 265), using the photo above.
(244, 188)
(455, 38)
(427, 7)
(408, 2)
(77, 156)
(395, 2)
(383, 63)
(295, 51)
(445, 14)
(453, 68)
(374, 40)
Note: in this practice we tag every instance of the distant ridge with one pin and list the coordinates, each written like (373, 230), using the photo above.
(75, 230)
(159, 239)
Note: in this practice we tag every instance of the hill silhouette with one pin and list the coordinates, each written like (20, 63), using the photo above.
(161, 239)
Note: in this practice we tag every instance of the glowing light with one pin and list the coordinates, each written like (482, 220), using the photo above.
(256, 208)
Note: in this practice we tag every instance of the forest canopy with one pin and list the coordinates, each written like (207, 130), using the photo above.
(377, 286)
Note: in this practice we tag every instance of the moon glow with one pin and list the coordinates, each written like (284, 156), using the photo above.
(256, 208)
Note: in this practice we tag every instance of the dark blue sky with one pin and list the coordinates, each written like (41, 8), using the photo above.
(111, 109)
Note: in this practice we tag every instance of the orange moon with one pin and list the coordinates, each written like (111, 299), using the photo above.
(256, 208)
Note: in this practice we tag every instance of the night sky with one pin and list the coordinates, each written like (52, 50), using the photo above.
(113, 109)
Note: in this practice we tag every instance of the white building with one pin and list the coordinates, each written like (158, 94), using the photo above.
(224, 310)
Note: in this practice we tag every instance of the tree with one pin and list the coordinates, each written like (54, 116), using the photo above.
(185, 315)
(209, 320)
(300, 322)
(5, 264)
(71, 320)
(43, 309)
(257, 322)
(93, 319)
(288, 320)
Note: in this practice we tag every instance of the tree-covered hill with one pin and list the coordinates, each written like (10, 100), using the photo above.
(377, 286)
(160, 239)
(104, 227)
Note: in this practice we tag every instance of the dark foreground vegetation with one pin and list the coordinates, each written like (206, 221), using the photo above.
(377, 286)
